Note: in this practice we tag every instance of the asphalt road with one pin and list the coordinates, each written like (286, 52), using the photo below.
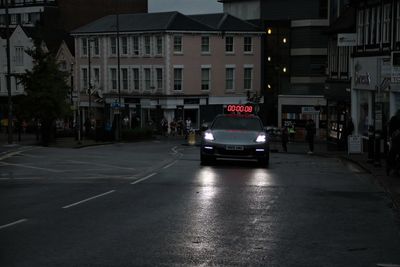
(152, 204)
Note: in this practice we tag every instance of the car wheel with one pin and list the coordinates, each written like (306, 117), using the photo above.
(206, 160)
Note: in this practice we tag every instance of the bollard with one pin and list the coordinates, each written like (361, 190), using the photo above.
(371, 144)
(192, 138)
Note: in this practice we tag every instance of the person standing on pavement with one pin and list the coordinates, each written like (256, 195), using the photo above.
(284, 138)
(394, 137)
(310, 132)
(188, 127)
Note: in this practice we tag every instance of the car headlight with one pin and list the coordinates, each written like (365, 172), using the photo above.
(208, 136)
(261, 138)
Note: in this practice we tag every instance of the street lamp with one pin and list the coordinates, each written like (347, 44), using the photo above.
(8, 77)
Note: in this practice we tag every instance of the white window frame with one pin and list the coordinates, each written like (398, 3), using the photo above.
(135, 46)
(246, 45)
(147, 45)
(248, 80)
(124, 43)
(96, 47)
(147, 79)
(159, 43)
(229, 80)
(373, 26)
(96, 77)
(386, 23)
(113, 46)
(19, 55)
(366, 26)
(178, 44)
(159, 80)
(229, 47)
(84, 78)
(378, 25)
(180, 80)
(206, 81)
(360, 27)
(113, 78)
(136, 78)
(398, 22)
(205, 47)
(84, 46)
(124, 78)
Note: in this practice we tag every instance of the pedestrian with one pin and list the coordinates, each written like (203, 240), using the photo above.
(188, 127)
(164, 126)
(310, 132)
(394, 141)
(284, 138)
(172, 126)
(292, 132)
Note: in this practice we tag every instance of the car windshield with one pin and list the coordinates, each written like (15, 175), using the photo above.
(237, 123)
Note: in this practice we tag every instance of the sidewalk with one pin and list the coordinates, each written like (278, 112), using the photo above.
(391, 183)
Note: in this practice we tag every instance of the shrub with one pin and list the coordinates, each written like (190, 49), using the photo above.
(136, 134)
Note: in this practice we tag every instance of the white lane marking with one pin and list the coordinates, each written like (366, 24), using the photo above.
(144, 178)
(174, 149)
(88, 199)
(13, 223)
(30, 167)
(169, 165)
(11, 154)
(102, 165)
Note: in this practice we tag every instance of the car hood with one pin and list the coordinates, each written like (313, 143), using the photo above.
(235, 137)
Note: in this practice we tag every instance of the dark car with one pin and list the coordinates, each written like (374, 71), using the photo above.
(235, 136)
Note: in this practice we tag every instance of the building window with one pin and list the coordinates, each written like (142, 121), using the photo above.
(96, 46)
(323, 9)
(360, 27)
(124, 45)
(159, 45)
(248, 78)
(398, 22)
(378, 25)
(136, 78)
(147, 78)
(248, 44)
(373, 26)
(229, 79)
(178, 44)
(113, 78)
(205, 79)
(113, 46)
(84, 46)
(178, 79)
(135, 45)
(229, 44)
(19, 55)
(205, 44)
(124, 74)
(84, 78)
(386, 23)
(147, 45)
(366, 26)
(96, 74)
(159, 77)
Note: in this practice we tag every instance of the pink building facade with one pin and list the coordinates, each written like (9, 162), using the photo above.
(183, 68)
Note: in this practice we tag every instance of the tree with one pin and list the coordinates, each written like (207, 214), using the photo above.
(46, 91)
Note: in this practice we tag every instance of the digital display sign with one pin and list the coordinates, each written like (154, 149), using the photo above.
(239, 108)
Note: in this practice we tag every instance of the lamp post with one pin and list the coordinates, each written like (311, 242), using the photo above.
(8, 77)
(119, 82)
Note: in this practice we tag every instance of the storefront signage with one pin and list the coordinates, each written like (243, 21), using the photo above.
(354, 144)
(347, 39)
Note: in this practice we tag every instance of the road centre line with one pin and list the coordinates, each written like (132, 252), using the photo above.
(144, 178)
(13, 223)
(169, 165)
(30, 167)
(102, 165)
(88, 199)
